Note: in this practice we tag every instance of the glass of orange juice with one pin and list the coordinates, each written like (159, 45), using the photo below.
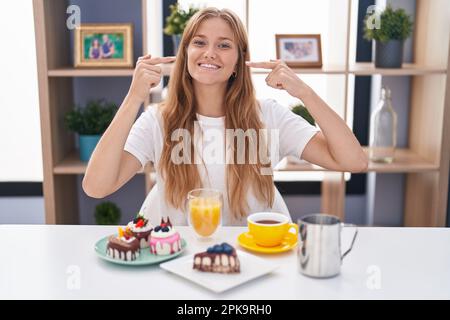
(205, 211)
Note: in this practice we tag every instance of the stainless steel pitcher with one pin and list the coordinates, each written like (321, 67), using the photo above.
(319, 248)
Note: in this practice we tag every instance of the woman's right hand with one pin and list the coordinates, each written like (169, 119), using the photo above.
(147, 75)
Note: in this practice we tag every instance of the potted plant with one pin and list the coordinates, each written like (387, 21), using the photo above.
(90, 123)
(394, 28)
(176, 22)
(300, 109)
(107, 213)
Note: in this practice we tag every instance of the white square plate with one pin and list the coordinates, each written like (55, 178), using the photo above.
(251, 267)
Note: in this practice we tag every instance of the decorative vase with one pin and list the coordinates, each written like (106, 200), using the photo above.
(383, 130)
(87, 145)
(176, 39)
(389, 54)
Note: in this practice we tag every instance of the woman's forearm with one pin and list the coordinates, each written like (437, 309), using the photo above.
(342, 143)
(104, 164)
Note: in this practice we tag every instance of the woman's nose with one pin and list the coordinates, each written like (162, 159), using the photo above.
(210, 52)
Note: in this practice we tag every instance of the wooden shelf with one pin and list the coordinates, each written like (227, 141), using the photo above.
(72, 165)
(356, 69)
(326, 69)
(330, 69)
(406, 161)
(408, 69)
(72, 72)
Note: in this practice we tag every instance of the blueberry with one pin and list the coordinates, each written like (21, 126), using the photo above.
(157, 228)
(226, 245)
(228, 250)
(217, 248)
(165, 229)
(210, 250)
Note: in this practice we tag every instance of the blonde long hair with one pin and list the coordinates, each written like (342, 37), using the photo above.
(241, 112)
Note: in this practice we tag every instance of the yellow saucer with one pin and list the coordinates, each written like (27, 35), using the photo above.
(246, 240)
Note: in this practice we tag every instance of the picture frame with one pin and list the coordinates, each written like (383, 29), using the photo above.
(299, 50)
(98, 45)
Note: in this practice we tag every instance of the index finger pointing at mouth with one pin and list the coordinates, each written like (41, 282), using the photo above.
(264, 65)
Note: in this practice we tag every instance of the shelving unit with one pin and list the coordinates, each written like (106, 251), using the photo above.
(71, 72)
(425, 162)
(405, 161)
(408, 69)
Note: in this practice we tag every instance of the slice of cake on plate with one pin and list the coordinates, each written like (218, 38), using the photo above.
(124, 246)
(141, 228)
(220, 258)
(165, 239)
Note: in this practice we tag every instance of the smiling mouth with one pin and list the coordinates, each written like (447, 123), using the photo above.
(208, 67)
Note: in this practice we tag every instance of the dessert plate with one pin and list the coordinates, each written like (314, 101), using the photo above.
(246, 241)
(251, 267)
(145, 257)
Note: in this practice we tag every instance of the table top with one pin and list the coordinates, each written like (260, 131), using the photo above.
(39, 262)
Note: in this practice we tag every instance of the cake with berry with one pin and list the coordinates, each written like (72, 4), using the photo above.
(165, 239)
(141, 229)
(220, 258)
(124, 246)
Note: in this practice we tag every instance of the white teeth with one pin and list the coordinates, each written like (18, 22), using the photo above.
(210, 66)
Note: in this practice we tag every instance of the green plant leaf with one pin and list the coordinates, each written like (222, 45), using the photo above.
(300, 109)
(94, 119)
(394, 25)
(177, 20)
(107, 213)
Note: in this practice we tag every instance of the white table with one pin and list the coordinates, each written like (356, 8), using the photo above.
(42, 261)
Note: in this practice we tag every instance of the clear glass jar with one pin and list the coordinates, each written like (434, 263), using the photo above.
(383, 130)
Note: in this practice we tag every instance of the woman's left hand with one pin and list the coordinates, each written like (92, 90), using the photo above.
(281, 77)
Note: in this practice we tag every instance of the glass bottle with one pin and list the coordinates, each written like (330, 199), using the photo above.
(383, 130)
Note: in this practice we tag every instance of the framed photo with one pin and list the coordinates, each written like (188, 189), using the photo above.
(104, 45)
(299, 50)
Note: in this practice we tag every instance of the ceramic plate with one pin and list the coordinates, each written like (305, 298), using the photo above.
(246, 241)
(145, 257)
(251, 267)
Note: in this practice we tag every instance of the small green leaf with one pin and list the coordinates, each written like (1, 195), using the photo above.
(300, 109)
(107, 213)
(394, 25)
(176, 22)
(94, 119)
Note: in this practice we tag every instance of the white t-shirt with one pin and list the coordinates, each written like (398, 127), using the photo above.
(145, 142)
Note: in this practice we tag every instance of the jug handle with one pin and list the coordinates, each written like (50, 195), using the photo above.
(354, 238)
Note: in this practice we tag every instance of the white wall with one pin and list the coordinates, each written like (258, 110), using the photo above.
(20, 136)
(22, 210)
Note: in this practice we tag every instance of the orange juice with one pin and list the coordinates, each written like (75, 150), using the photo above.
(205, 215)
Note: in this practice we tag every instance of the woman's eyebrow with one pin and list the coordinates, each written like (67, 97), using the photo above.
(220, 38)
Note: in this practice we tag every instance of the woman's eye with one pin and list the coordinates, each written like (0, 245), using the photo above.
(226, 45)
(198, 42)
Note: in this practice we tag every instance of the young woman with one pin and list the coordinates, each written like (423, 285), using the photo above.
(95, 51)
(211, 86)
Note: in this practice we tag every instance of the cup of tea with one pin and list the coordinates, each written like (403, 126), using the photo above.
(205, 211)
(268, 229)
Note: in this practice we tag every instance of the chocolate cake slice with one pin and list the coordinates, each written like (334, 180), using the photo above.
(221, 258)
(123, 247)
(141, 228)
